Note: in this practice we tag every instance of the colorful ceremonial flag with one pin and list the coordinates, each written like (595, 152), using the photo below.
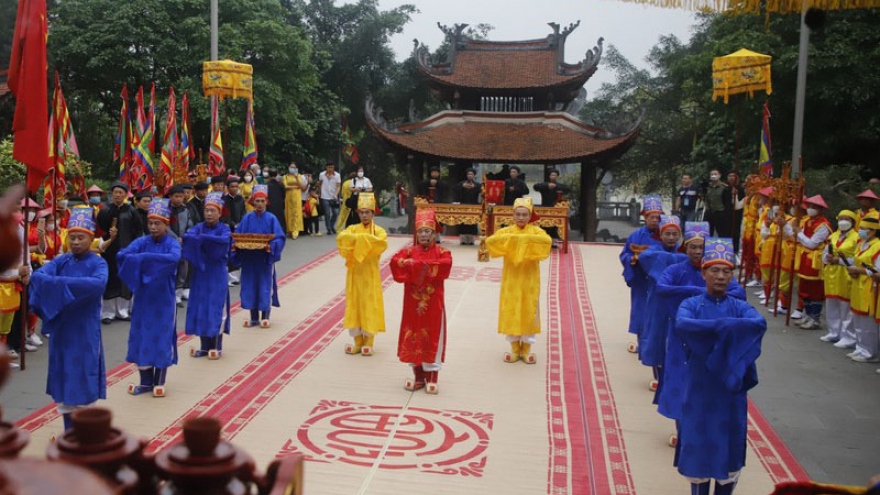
(151, 120)
(349, 149)
(141, 153)
(27, 81)
(249, 156)
(171, 144)
(62, 143)
(766, 159)
(187, 153)
(216, 163)
(122, 148)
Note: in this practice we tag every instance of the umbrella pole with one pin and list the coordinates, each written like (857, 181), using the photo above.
(800, 96)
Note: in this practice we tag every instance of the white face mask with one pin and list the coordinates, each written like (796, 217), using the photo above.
(775, 209)
(863, 234)
(50, 226)
(292, 170)
(61, 204)
(791, 211)
(844, 224)
(812, 212)
(31, 215)
(265, 174)
(248, 178)
(714, 177)
(361, 175)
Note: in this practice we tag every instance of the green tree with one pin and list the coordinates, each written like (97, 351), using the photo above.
(97, 45)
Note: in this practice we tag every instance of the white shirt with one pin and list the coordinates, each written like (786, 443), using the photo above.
(362, 182)
(329, 185)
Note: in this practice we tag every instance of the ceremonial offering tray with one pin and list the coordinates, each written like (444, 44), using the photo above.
(252, 241)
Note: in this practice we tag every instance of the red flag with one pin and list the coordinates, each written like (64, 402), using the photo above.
(27, 80)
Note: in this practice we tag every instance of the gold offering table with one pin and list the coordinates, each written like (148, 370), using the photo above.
(493, 217)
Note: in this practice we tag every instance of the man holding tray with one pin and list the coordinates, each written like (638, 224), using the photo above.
(259, 288)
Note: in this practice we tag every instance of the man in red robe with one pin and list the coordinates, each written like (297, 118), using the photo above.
(422, 269)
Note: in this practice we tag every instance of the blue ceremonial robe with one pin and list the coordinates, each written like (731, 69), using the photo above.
(722, 338)
(66, 294)
(259, 287)
(636, 278)
(653, 262)
(677, 283)
(207, 251)
(149, 268)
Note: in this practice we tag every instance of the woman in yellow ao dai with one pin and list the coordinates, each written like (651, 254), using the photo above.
(362, 245)
(523, 245)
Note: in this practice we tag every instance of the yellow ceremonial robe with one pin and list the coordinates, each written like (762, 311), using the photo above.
(293, 208)
(362, 247)
(246, 189)
(838, 283)
(522, 250)
(344, 211)
(862, 297)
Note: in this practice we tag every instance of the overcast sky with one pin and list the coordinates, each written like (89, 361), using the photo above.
(632, 28)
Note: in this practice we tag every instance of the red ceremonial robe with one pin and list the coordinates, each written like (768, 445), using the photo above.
(423, 325)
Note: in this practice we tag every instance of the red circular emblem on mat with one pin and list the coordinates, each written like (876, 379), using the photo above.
(429, 440)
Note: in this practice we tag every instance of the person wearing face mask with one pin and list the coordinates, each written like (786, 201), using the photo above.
(838, 284)
(61, 211)
(770, 237)
(633, 274)
(247, 188)
(863, 269)
(294, 185)
(867, 205)
(714, 201)
(96, 197)
(787, 261)
(750, 220)
(811, 240)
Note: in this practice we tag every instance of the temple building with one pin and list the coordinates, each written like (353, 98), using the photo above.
(508, 102)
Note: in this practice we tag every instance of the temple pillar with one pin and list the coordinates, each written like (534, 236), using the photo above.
(588, 201)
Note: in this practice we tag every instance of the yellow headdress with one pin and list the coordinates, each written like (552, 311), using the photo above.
(523, 203)
(366, 201)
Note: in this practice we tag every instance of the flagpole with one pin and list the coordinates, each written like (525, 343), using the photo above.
(800, 96)
(22, 309)
(214, 30)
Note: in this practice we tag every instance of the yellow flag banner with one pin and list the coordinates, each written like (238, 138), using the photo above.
(743, 71)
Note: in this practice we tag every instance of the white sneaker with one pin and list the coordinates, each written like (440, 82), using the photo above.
(853, 354)
(12, 353)
(845, 344)
(15, 366)
(30, 348)
(809, 324)
(754, 283)
(759, 293)
(35, 339)
(829, 338)
(796, 315)
(859, 358)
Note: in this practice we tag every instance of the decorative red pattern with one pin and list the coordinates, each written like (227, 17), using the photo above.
(48, 413)
(426, 440)
(240, 399)
(462, 273)
(774, 455)
(490, 274)
(580, 401)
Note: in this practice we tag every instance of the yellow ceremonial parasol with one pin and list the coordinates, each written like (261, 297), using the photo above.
(743, 71)
(228, 79)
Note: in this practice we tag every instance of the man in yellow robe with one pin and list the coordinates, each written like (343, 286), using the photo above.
(294, 185)
(362, 245)
(523, 245)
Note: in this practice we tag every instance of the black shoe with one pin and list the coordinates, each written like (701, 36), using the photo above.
(107, 321)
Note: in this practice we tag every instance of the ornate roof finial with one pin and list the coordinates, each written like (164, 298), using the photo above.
(571, 27)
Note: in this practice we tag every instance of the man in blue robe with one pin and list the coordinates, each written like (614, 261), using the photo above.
(206, 247)
(677, 283)
(66, 294)
(149, 267)
(259, 287)
(722, 338)
(653, 262)
(636, 278)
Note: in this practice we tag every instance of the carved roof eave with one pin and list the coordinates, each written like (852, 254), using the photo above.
(426, 137)
(578, 74)
(624, 125)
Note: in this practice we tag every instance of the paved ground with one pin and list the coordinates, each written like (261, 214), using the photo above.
(824, 406)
